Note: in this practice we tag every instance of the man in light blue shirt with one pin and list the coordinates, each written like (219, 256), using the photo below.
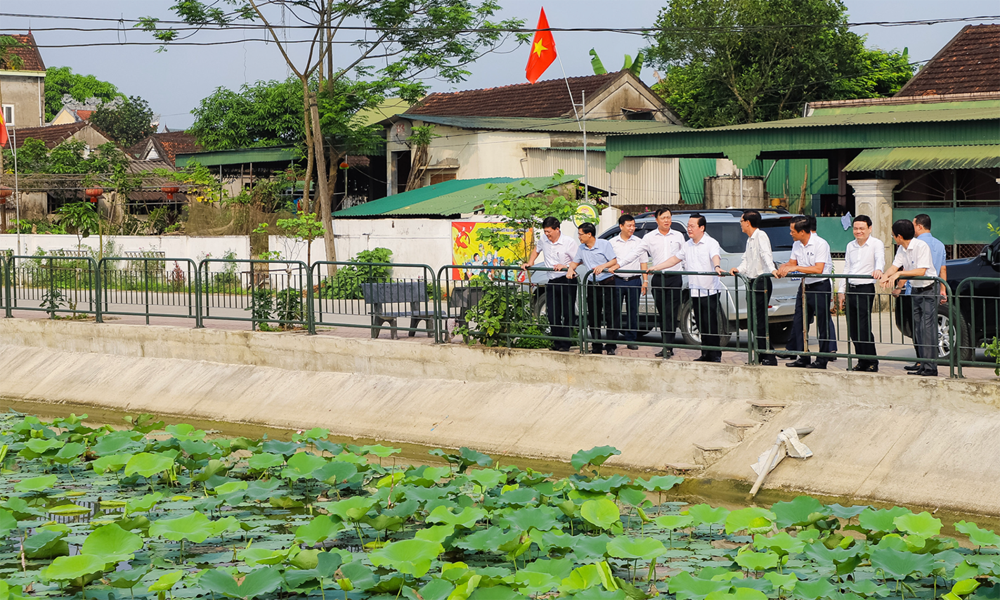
(599, 256)
(939, 255)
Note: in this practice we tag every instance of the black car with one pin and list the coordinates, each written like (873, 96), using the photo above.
(978, 318)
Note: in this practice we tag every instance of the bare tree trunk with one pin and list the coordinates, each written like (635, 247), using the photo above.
(323, 193)
(306, 115)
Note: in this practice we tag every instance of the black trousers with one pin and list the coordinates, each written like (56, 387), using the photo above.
(560, 295)
(667, 298)
(706, 317)
(601, 312)
(760, 289)
(629, 292)
(817, 305)
(859, 300)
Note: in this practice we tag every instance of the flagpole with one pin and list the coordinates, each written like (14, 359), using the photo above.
(581, 124)
(17, 198)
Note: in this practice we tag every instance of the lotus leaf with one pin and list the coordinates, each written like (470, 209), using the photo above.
(739, 520)
(46, 544)
(38, 446)
(259, 462)
(518, 497)
(813, 590)
(881, 520)
(195, 527)
(803, 510)
(334, 472)
(111, 543)
(231, 487)
(256, 583)
(438, 533)
(847, 512)
(262, 490)
(325, 567)
(632, 497)
(390, 480)
(868, 587)
(900, 565)
(542, 518)
(436, 589)
(352, 509)
(659, 483)
(126, 579)
(635, 548)
(596, 456)
(979, 537)
(588, 576)
(200, 449)
(601, 513)
(7, 522)
(757, 561)
(320, 529)
(68, 568)
(467, 518)
(487, 540)
(69, 510)
(111, 462)
(605, 484)
(487, 478)
(597, 593)
(69, 453)
(782, 582)
(922, 524)
(301, 465)
(704, 514)
(412, 557)
(781, 543)
(686, 587)
(36, 484)
(740, 593)
(262, 556)
(327, 446)
(674, 522)
(148, 464)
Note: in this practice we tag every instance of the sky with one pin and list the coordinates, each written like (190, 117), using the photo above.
(175, 81)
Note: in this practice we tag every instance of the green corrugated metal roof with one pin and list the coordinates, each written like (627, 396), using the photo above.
(238, 156)
(471, 199)
(928, 106)
(400, 201)
(927, 158)
(744, 143)
(597, 126)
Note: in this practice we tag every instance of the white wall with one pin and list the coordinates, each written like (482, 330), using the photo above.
(175, 246)
(638, 180)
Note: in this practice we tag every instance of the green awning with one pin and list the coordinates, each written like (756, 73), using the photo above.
(927, 158)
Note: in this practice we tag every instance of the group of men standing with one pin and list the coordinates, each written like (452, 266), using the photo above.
(627, 267)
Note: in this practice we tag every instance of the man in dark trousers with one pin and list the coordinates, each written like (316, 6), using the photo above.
(758, 260)
(660, 245)
(599, 256)
(560, 293)
(865, 255)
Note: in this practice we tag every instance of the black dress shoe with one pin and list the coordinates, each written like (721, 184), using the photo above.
(924, 373)
(559, 348)
(800, 363)
(914, 367)
(632, 347)
(769, 362)
(664, 354)
(611, 351)
(785, 356)
(866, 368)
(711, 359)
(817, 365)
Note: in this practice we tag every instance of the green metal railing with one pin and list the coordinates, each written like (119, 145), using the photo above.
(290, 294)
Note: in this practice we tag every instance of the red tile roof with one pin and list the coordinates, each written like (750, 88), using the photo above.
(969, 63)
(168, 145)
(84, 114)
(543, 99)
(52, 135)
(28, 52)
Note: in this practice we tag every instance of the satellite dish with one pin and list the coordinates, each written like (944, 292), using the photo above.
(400, 132)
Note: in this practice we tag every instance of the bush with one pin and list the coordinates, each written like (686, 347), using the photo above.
(503, 318)
(346, 284)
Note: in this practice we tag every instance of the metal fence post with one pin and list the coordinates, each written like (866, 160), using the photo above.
(7, 285)
(98, 314)
(582, 289)
(310, 309)
(753, 351)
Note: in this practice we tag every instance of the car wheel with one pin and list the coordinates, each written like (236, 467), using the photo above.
(689, 329)
(538, 306)
(968, 352)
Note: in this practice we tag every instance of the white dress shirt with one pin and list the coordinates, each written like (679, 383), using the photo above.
(659, 247)
(559, 252)
(864, 260)
(917, 256)
(698, 257)
(630, 254)
(758, 258)
(815, 251)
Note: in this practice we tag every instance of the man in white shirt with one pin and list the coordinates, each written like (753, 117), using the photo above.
(560, 293)
(667, 286)
(702, 253)
(913, 259)
(757, 265)
(810, 256)
(865, 255)
(628, 286)
(598, 256)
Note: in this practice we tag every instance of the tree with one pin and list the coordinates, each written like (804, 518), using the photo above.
(266, 113)
(401, 42)
(746, 61)
(127, 123)
(60, 81)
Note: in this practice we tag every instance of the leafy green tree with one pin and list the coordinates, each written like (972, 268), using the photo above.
(81, 217)
(408, 42)
(127, 123)
(60, 81)
(265, 113)
(745, 61)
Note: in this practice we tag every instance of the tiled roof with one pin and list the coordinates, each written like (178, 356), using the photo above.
(168, 145)
(83, 115)
(542, 99)
(28, 52)
(52, 135)
(969, 63)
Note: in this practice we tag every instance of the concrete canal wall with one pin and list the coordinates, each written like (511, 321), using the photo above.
(913, 440)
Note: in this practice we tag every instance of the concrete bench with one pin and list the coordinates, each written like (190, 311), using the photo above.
(388, 300)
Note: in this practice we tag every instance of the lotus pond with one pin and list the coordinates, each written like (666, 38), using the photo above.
(157, 510)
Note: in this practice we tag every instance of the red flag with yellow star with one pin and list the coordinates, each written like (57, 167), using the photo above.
(543, 50)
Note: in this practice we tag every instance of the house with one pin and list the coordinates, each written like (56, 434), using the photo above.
(165, 146)
(53, 135)
(531, 130)
(24, 87)
(934, 148)
(67, 115)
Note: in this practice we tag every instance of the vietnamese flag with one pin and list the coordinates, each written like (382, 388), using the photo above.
(543, 50)
(3, 131)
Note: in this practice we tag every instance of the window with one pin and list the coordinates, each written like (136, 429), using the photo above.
(8, 114)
